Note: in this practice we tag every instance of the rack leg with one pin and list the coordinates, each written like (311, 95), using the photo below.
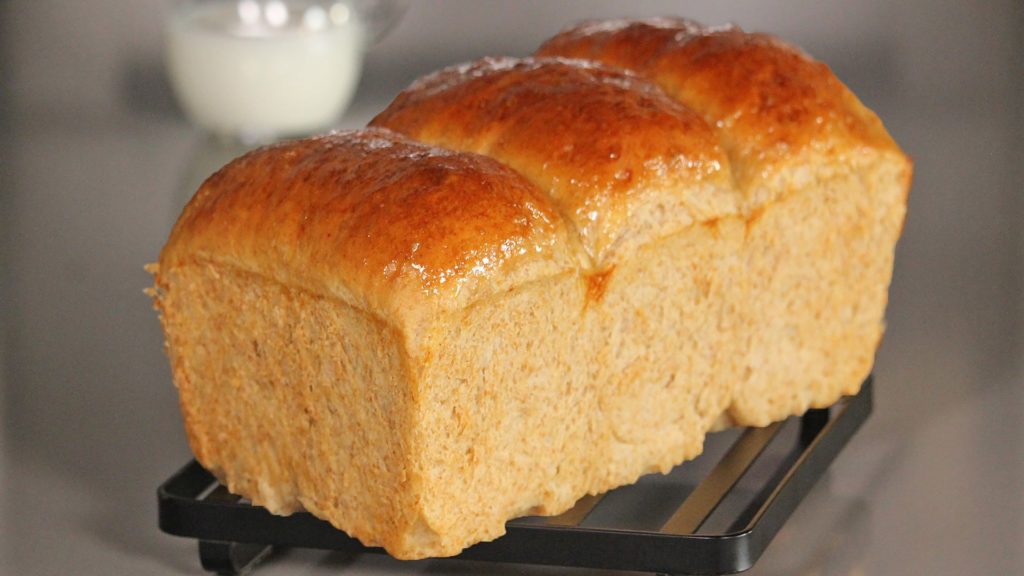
(231, 558)
(811, 424)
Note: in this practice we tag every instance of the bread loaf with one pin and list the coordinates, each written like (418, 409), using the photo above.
(530, 280)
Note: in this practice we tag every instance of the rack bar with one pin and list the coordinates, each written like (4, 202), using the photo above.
(692, 513)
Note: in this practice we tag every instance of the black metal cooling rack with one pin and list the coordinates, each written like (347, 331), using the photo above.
(716, 516)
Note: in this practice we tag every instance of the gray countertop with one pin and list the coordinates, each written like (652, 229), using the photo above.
(96, 162)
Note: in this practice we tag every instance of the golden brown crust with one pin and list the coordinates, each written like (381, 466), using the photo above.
(767, 98)
(373, 218)
(598, 139)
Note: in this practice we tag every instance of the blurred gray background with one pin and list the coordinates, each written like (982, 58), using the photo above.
(96, 160)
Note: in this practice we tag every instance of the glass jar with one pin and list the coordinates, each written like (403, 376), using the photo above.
(259, 70)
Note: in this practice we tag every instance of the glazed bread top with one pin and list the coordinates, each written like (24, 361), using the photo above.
(770, 103)
(623, 162)
(376, 220)
(543, 166)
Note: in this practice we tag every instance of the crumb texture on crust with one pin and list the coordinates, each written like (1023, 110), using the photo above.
(532, 280)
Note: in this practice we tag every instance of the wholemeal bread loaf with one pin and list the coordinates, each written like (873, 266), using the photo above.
(531, 280)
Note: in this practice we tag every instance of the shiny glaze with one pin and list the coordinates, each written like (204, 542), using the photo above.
(368, 214)
(767, 99)
(374, 217)
(592, 136)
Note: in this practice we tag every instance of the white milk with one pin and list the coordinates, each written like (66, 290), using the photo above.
(263, 69)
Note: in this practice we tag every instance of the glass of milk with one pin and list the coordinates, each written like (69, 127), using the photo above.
(258, 70)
